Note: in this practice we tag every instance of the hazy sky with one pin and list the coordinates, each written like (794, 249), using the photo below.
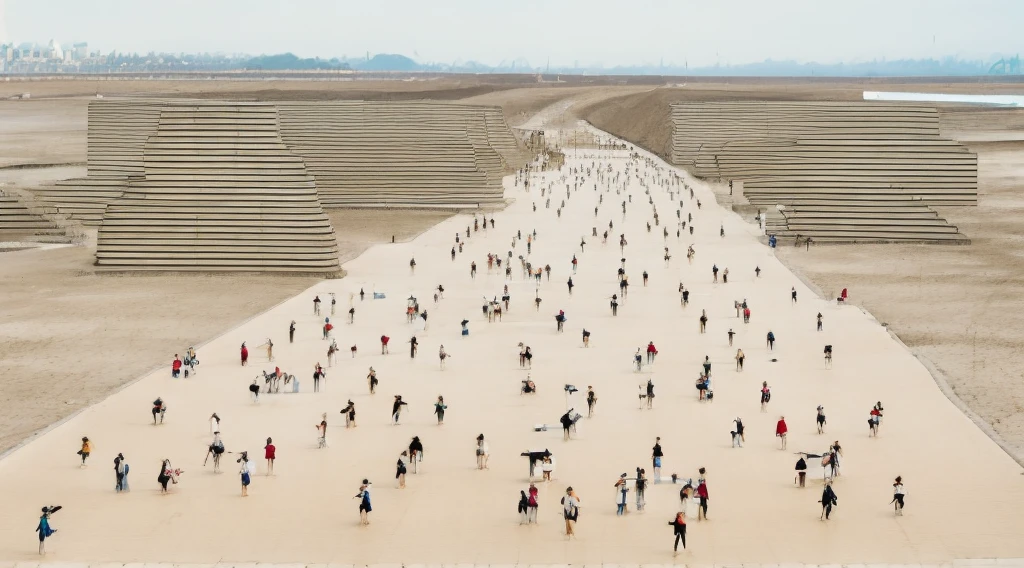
(610, 32)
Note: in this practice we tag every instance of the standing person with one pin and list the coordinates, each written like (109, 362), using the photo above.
(766, 396)
(714, 273)
(739, 359)
(641, 489)
(792, 294)
(731, 334)
(828, 500)
(707, 365)
(645, 276)
(400, 469)
(656, 455)
(85, 450)
(820, 419)
(442, 355)
(396, 408)
(159, 409)
(703, 321)
(415, 453)
(801, 471)
(532, 504)
(650, 394)
(874, 419)
(291, 332)
(570, 511)
(317, 373)
(44, 529)
(364, 502)
(316, 305)
(621, 490)
(321, 430)
(819, 321)
(350, 414)
(371, 378)
(245, 470)
(482, 452)
(780, 430)
(570, 285)
(835, 452)
(898, 495)
(586, 338)
(439, 408)
(679, 529)
(245, 354)
(413, 344)
(120, 470)
(591, 401)
(384, 344)
(270, 454)
(771, 341)
(652, 352)
(702, 494)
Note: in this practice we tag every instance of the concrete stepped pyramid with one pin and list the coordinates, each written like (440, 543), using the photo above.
(220, 191)
(116, 139)
(845, 171)
(395, 154)
(21, 221)
(400, 136)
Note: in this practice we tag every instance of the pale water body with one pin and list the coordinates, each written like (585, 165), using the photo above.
(1000, 100)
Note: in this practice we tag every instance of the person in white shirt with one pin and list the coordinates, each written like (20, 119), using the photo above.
(897, 495)
(244, 471)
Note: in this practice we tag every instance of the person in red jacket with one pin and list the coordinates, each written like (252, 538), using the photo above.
(702, 494)
(384, 344)
(651, 352)
(270, 455)
(176, 367)
(781, 429)
(245, 354)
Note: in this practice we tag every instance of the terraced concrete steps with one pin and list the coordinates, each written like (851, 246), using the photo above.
(20, 221)
(254, 212)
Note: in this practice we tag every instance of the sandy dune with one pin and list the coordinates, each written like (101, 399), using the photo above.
(453, 513)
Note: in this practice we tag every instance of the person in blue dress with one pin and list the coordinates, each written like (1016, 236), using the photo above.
(44, 529)
(364, 502)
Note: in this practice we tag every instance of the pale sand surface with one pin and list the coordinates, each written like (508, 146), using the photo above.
(963, 491)
(68, 336)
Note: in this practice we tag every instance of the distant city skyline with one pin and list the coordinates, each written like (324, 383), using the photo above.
(567, 33)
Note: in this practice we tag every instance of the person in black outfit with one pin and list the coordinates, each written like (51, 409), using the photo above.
(679, 527)
(801, 471)
(396, 408)
(291, 332)
(828, 500)
(656, 455)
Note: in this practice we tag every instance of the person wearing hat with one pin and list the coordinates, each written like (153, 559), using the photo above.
(364, 502)
(44, 529)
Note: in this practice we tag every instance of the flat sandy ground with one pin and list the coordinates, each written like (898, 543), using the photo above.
(451, 512)
(68, 337)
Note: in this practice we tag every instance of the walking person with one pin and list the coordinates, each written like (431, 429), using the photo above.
(291, 332)
(780, 431)
(739, 360)
(898, 495)
(731, 334)
(396, 409)
(591, 401)
(738, 436)
(679, 529)
(439, 408)
(364, 502)
(820, 419)
(245, 471)
(641, 489)
(819, 321)
(523, 508)
(828, 500)
(371, 378)
(703, 321)
(793, 294)
(85, 450)
(413, 344)
(244, 353)
(771, 341)
(400, 469)
(570, 511)
(159, 409)
(766, 396)
(482, 452)
(44, 529)
(318, 372)
(801, 471)
(415, 453)
(702, 494)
